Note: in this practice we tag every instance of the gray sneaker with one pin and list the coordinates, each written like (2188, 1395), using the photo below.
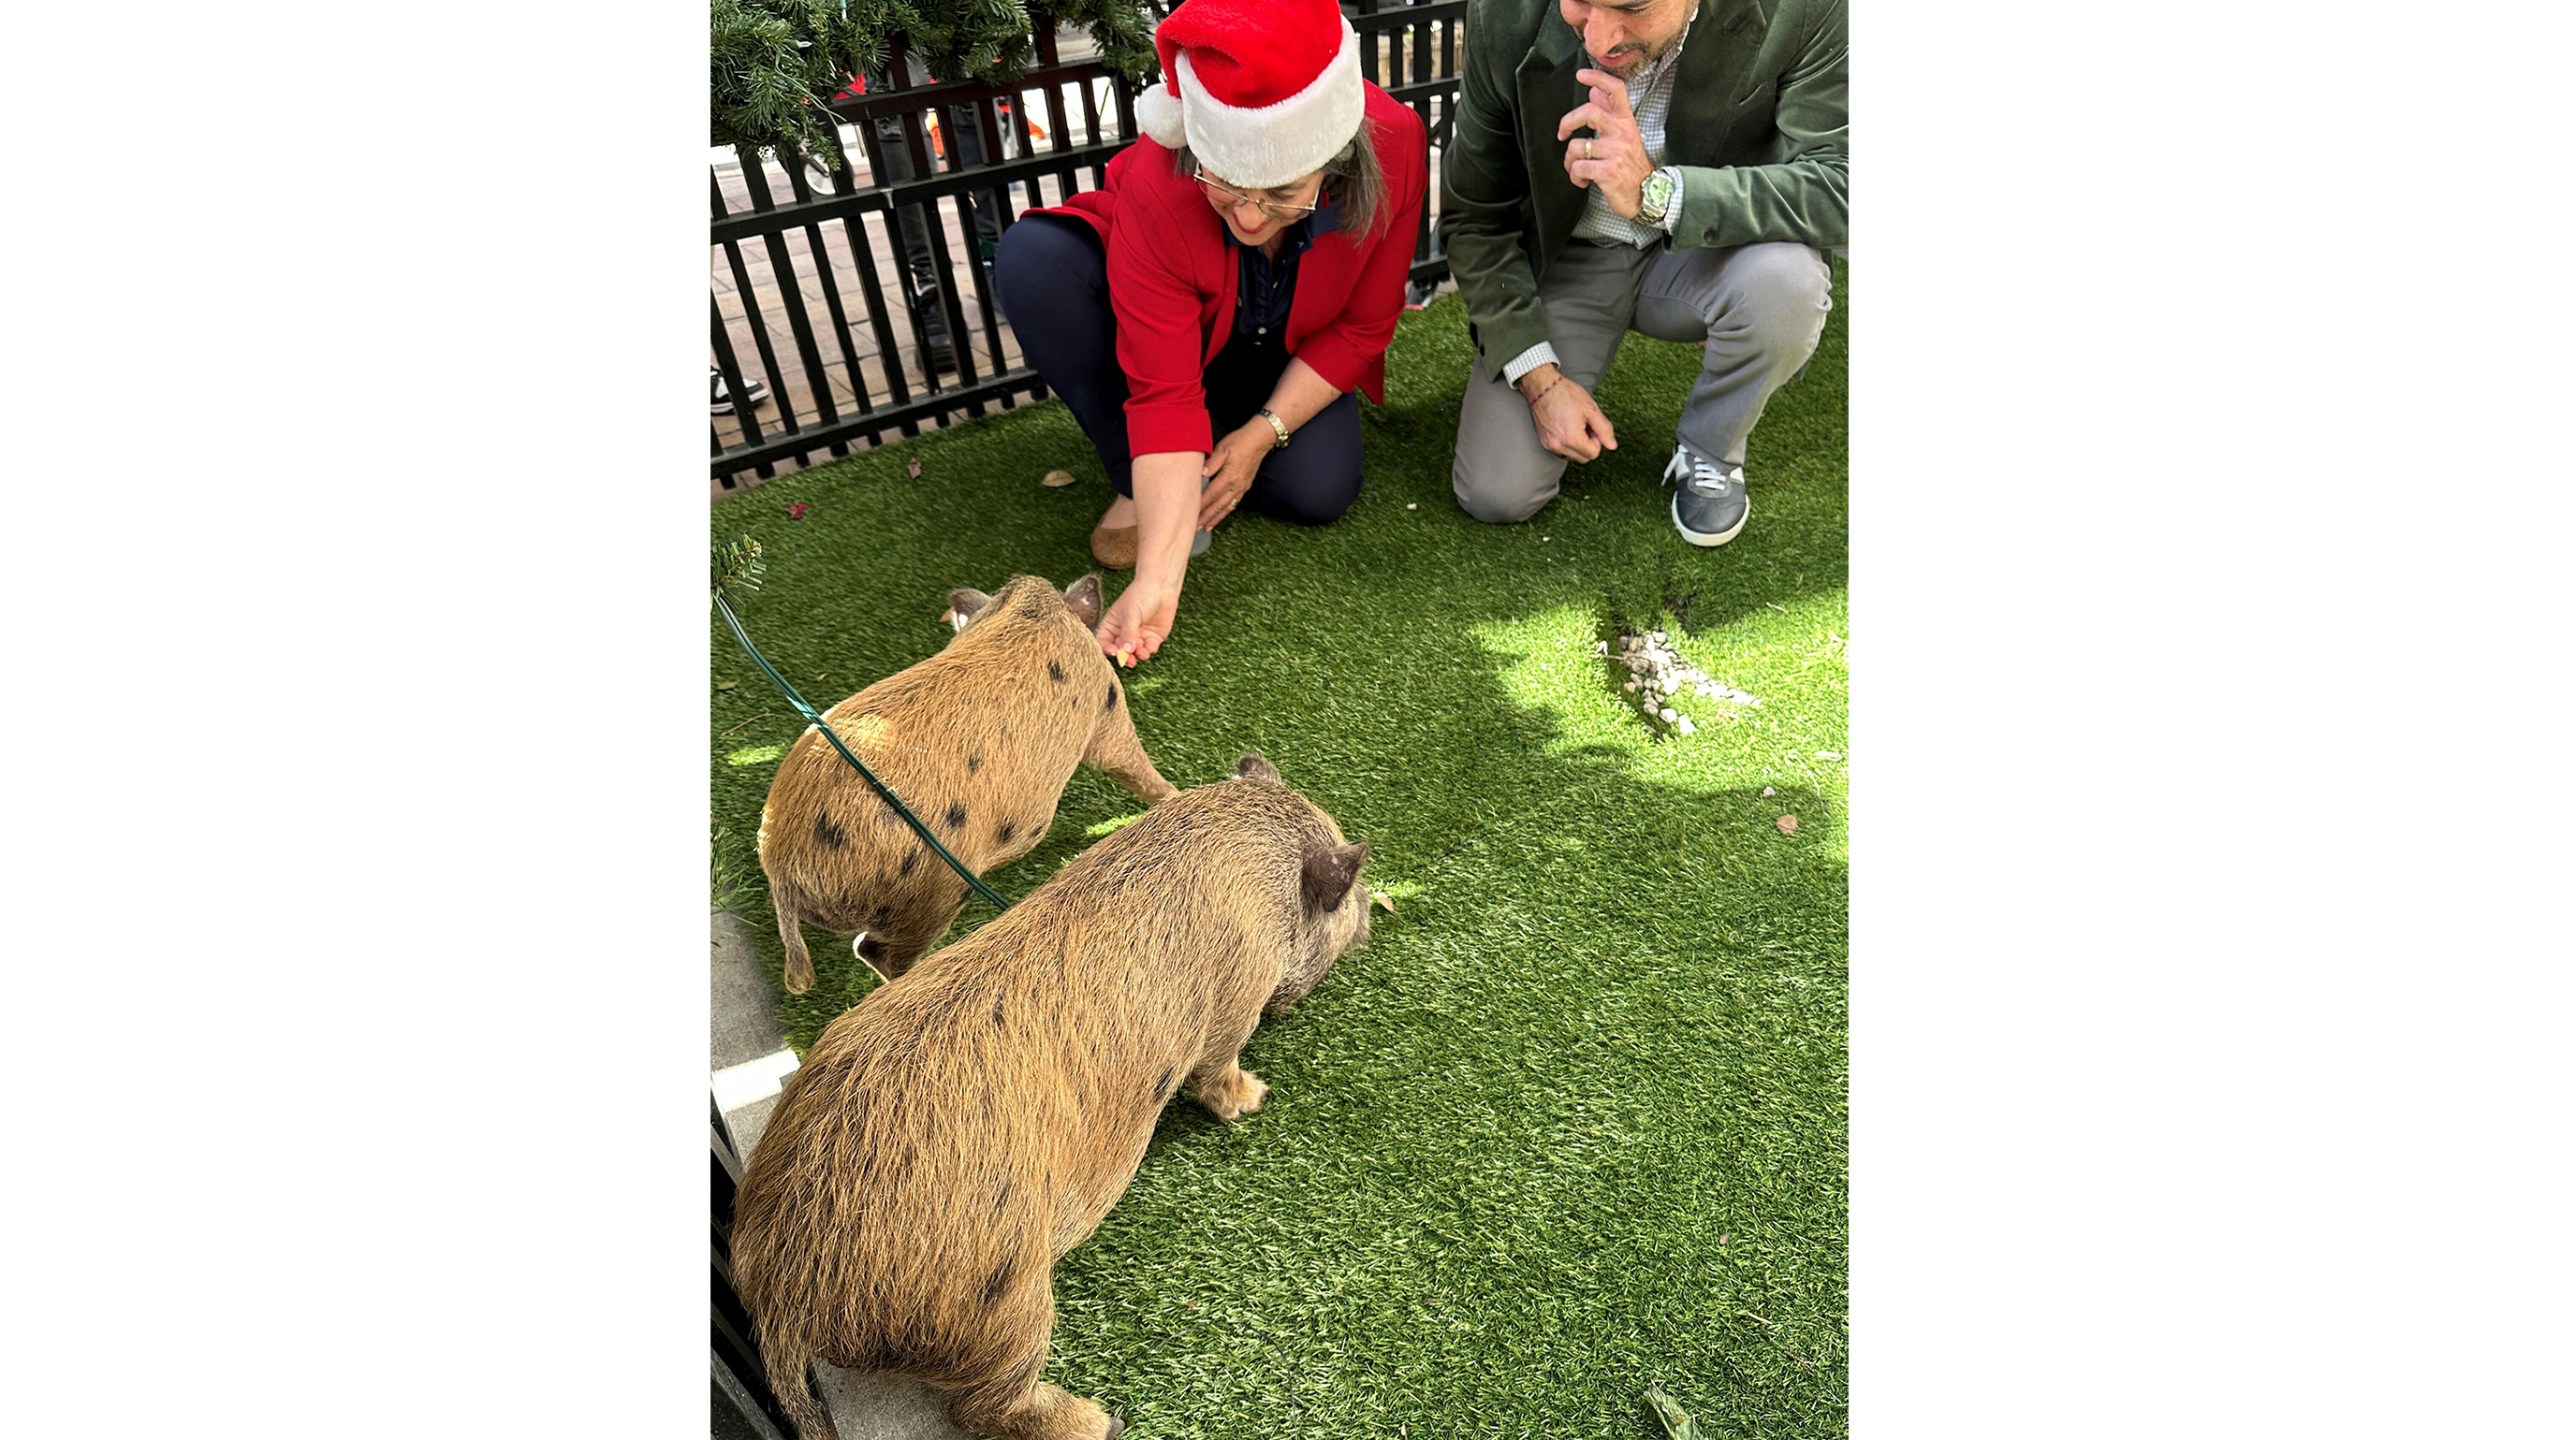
(1710, 505)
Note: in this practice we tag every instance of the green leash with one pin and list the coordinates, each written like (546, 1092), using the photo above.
(811, 714)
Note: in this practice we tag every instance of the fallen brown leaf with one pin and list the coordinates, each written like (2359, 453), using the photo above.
(1786, 824)
(1058, 479)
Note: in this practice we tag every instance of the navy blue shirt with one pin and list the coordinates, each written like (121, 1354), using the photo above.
(1266, 286)
(1240, 378)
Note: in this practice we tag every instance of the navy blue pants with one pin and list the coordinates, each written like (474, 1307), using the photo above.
(1051, 281)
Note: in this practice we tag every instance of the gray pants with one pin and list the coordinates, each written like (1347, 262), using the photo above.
(1759, 308)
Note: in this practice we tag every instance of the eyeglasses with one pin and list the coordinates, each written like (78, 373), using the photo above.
(1221, 195)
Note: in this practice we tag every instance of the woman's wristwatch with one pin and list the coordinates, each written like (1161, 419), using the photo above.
(1276, 427)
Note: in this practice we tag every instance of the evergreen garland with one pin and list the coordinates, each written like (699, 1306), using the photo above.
(774, 63)
(737, 565)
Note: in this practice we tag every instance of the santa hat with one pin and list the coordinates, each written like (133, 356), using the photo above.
(1263, 91)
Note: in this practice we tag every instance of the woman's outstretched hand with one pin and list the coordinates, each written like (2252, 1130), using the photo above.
(1138, 621)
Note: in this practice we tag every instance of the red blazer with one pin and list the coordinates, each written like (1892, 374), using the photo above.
(1173, 280)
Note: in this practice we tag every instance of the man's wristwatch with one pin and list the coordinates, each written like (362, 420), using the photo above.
(1654, 201)
(1276, 427)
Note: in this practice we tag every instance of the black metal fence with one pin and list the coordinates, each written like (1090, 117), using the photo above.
(856, 295)
(742, 1399)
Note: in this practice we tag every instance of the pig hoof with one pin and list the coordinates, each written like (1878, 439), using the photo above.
(1239, 1097)
(1255, 1092)
(1117, 1425)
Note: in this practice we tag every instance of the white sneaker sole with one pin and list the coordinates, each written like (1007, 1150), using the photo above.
(1700, 537)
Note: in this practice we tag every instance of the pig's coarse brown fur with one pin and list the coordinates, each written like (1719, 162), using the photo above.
(955, 1133)
(978, 740)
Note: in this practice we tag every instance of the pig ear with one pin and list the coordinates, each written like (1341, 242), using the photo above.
(965, 605)
(1084, 601)
(1329, 873)
(1254, 767)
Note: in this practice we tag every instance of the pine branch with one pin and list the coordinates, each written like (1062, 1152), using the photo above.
(737, 566)
(775, 64)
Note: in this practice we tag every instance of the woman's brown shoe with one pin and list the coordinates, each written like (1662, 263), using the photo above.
(1115, 546)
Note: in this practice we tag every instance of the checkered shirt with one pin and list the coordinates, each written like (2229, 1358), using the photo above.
(1650, 92)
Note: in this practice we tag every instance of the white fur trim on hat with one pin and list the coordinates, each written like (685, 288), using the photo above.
(1272, 145)
(1160, 116)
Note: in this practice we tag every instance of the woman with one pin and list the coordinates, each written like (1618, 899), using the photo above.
(1208, 313)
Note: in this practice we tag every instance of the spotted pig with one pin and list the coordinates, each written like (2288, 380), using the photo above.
(978, 741)
(955, 1133)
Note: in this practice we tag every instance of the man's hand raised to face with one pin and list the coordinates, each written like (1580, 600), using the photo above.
(1612, 156)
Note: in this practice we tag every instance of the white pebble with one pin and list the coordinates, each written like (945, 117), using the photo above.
(1670, 714)
(1413, 507)
(1631, 687)
(1768, 790)
(1688, 726)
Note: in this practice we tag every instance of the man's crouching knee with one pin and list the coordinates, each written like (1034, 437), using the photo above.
(1500, 504)
(1785, 291)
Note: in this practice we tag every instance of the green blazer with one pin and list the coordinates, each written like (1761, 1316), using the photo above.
(1759, 128)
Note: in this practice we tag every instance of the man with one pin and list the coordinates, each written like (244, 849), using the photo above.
(1674, 166)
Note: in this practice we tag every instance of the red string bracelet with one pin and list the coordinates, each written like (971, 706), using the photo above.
(1543, 389)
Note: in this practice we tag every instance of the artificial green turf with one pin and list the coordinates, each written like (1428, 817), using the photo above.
(1575, 1120)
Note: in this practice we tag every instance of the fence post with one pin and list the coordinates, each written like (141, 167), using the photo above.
(742, 1398)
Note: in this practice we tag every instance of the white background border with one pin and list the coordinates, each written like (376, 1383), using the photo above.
(2202, 998)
